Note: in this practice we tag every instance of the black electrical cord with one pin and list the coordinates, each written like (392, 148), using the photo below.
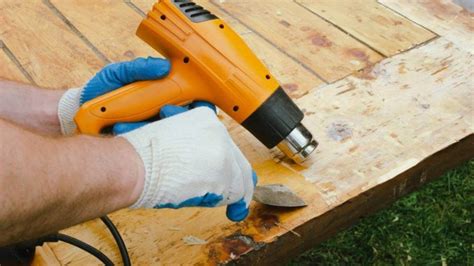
(23, 252)
(118, 240)
(82, 245)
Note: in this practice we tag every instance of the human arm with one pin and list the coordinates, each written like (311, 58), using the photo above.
(47, 184)
(30, 106)
(52, 112)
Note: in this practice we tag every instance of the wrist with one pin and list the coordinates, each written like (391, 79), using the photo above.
(132, 171)
(105, 171)
(67, 107)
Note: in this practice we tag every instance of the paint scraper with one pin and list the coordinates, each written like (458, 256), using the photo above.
(277, 195)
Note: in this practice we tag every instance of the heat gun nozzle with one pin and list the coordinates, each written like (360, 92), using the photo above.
(299, 144)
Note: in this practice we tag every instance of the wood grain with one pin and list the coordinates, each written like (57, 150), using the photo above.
(43, 44)
(382, 29)
(44, 256)
(382, 133)
(8, 69)
(317, 44)
(293, 77)
(442, 16)
(109, 25)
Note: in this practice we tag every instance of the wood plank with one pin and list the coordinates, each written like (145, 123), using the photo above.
(444, 17)
(382, 134)
(8, 69)
(317, 44)
(44, 256)
(43, 44)
(293, 77)
(109, 25)
(372, 23)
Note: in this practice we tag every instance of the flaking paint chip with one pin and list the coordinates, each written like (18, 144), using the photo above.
(192, 240)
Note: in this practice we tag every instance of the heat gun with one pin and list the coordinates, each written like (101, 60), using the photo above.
(210, 62)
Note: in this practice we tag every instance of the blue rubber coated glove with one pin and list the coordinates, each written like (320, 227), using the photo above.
(166, 111)
(111, 77)
(117, 75)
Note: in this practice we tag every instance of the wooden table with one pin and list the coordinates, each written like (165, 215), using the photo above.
(387, 89)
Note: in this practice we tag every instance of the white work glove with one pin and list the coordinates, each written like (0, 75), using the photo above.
(190, 160)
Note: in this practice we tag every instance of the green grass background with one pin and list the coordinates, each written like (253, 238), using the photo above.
(432, 226)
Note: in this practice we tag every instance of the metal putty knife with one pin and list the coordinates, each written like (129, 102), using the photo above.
(277, 195)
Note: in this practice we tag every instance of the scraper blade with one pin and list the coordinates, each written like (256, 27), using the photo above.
(277, 195)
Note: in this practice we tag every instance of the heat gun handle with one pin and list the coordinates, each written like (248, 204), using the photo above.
(135, 102)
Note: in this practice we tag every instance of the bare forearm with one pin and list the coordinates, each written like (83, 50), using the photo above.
(49, 184)
(30, 107)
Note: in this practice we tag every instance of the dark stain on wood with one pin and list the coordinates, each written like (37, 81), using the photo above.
(425, 106)
(231, 247)
(439, 70)
(129, 54)
(262, 219)
(353, 148)
(397, 22)
(239, 244)
(284, 23)
(320, 40)
(351, 87)
(339, 131)
(366, 73)
(358, 54)
(305, 28)
(290, 87)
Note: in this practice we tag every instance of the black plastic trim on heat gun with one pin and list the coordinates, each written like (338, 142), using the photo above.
(193, 11)
(274, 119)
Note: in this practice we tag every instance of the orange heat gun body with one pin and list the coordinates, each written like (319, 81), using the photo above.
(209, 62)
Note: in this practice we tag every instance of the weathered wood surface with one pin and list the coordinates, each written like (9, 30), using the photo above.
(8, 69)
(444, 17)
(374, 128)
(383, 130)
(375, 25)
(317, 44)
(109, 25)
(44, 45)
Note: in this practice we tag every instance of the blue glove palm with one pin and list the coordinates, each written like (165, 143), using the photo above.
(117, 75)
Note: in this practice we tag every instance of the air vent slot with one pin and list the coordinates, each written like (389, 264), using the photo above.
(187, 4)
(193, 11)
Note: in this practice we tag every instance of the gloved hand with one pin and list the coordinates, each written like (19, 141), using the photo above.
(111, 77)
(190, 160)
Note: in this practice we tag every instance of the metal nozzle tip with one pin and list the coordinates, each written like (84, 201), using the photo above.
(299, 144)
(305, 152)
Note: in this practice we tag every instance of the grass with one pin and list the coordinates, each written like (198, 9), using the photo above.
(433, 226)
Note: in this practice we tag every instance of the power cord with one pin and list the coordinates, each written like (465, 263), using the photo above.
(118, 239)
(23, 252)
(80, 244)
